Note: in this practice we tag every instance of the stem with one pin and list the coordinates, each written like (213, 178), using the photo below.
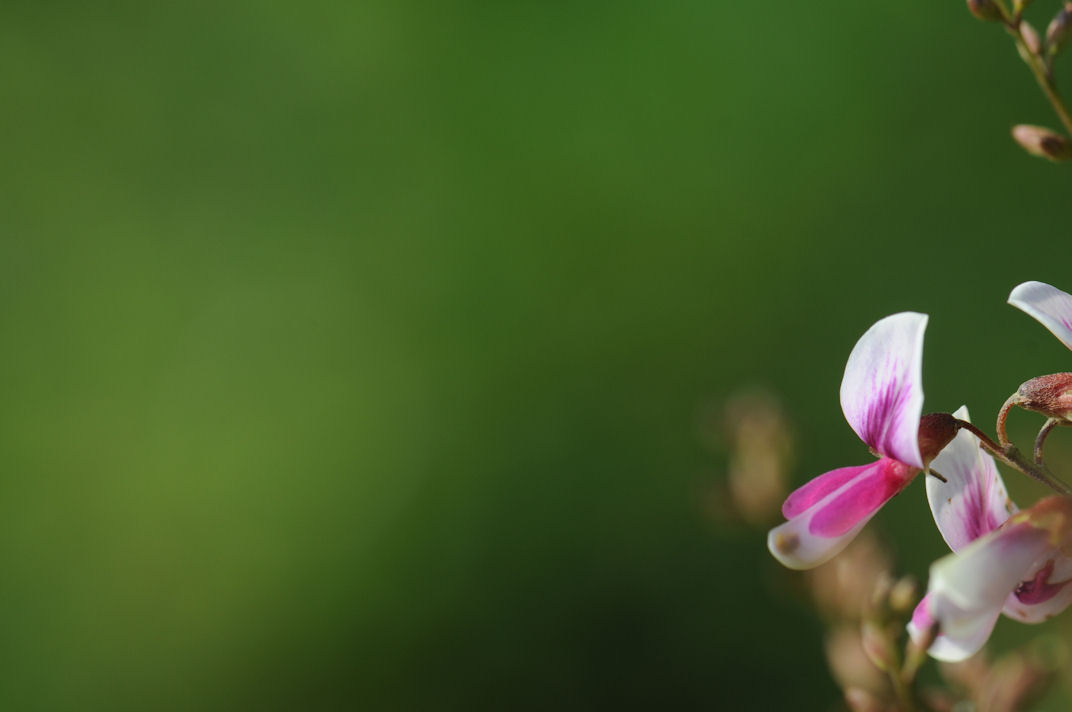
(1042, 76)
(1051, 423)
(1012, 457)
(904, 695)
(1003, 415)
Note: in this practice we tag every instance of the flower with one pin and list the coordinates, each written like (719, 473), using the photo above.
(1004, 561)
(882, 398)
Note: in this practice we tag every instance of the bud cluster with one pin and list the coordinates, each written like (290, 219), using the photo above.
(1038, 51)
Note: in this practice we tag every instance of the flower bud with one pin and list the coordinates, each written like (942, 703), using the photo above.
(1031, 37)
(904, 595)
(985, 10)
(1049, 395)
(1042, 142)
(879, 646)
(860, 700)
(1059, 27)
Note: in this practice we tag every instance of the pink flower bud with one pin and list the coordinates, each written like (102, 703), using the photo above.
(1031, 37)
(1042, 142)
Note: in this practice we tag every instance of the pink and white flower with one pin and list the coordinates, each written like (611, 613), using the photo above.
(882, 398)
(1049, 305)
(1005, 561)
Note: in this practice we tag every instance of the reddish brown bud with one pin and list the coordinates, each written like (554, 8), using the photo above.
(985, 10)
(935, 432)
(1049, 395)
(1042, 142)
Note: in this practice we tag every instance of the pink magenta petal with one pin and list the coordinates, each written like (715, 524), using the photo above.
(1049, 305)
(861, 498)
(802, 543)
(882, 391)
(973, 500)
(807, 496)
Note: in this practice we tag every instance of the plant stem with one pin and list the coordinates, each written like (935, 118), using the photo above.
(1012, 457)
(1042, 76)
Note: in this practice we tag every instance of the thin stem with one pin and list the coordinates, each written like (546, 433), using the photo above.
(1012, 457)
(1003, 415)
(1042, 76)
(1041, 439)
(904, 695)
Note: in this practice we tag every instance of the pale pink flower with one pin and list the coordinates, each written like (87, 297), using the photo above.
(882, 398)
(1004, 561)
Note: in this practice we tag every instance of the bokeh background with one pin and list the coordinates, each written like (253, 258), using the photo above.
(364, 355)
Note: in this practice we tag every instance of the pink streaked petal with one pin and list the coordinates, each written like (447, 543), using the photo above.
(811, 493)
(973, 501)
(882, 390)
(841, 513)
(1044, 594)
(861, 498)
(1049, 305)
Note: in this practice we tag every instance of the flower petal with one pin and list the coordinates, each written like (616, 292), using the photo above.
(973, 500)
(882, 391)
(953, 643)
(838, 505)
(1044, 594)
(1049, 305)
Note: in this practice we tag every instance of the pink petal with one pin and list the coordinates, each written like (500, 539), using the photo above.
(1045, 593)
(839, 503)
(882, 391)
(808, 495)
(973, 501)
(1049, 305)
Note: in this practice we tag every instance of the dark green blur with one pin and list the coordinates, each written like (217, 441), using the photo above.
(352, 354)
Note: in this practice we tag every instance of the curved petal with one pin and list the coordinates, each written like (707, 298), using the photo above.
(955, 642)
(973, 500)
(828, 512)
(1049, 305)
(882, 391)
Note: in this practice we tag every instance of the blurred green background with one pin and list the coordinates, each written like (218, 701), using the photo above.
(355, 355)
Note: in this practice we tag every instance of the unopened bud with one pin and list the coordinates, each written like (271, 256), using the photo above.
(1042, 142)
(904, 595)
(1059, 27)
(1049, 395)
(860, 700)
(936, 430)
(878, 645)
(985, 10)
(1031, 37)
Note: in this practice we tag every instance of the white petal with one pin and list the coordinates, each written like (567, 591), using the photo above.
(882, 390)
(973, 500)
(1049, 305)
